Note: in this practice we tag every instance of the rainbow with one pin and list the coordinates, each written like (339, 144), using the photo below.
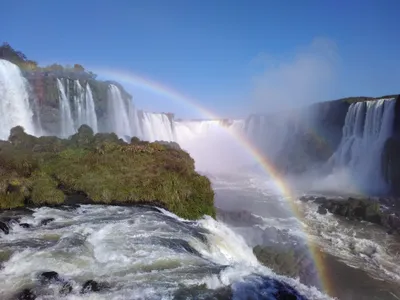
(267, 165)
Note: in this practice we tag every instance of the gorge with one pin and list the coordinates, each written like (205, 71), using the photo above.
(276, 177)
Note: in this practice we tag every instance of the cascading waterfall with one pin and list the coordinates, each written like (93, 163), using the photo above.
(84, 107)
(117, 111)
(134, 121)
(157, 127)
(66, 121)
(367, 126)
(14, 100)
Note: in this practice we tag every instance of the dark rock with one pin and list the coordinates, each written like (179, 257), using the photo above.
(320, 200)
(66, 289)
(322, 210)
(4, 227)
(27, 294)
(50, 276)
(91, 286)
(25, 225)
(46, 221)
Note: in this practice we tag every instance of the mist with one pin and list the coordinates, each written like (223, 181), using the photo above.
(305, 77)
(215, 148)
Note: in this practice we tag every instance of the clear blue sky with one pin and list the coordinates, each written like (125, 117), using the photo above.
(233, 56)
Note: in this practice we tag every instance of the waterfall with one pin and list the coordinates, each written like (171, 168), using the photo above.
(157, 127)
(90, 111)
(367, 126)
(85, 112)
(134, 121)
(118, 116)
(66, 121)
(14, 100)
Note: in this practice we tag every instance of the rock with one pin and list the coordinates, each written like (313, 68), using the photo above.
(50, 276)
(54, 277)
(322, 210)
(320, 200)
(4, 227)
(306, 198)
(90, 286)
(27, 294)
(44, 222)
(25, 225)
(66, 289)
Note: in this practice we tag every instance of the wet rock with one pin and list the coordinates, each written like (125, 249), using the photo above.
(46, 221)
(66, 289)
(91, 286)
(354, 209)
(306, 198)
(319, 200)
(391, 221)
(27, 294)
(322, 210)
(4, 227)
(25, 225)
(50, 276)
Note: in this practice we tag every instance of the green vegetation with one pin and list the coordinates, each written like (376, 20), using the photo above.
(102, 169)
(17, 57)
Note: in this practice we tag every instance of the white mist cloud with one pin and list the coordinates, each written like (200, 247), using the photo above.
(305, 77)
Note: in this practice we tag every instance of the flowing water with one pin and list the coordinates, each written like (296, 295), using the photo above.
(135, 253)
(14, 100)
(66, 120)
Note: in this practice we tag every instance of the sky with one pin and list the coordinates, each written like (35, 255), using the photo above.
(232, 57)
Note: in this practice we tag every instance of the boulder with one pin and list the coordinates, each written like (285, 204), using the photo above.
(46, 221)
(4, 227)
(26, 294)
(91, 286)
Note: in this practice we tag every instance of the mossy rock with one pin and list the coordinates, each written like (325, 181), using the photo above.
(103, 169)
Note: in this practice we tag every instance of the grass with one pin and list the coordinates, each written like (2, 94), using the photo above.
(104, 169)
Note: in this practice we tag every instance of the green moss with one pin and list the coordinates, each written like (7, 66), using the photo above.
(44, 190)
(107, 170)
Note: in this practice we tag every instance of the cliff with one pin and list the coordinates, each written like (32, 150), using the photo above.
(101, 168)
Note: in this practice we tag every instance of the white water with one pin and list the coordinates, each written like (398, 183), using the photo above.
(14, 100)
(367, 126)
(117, 110)
(157, 127)
(139, 252)
(66, 120)
(84, 107)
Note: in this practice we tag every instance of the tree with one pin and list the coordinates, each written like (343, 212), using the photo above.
(12, 55)
(79, 68)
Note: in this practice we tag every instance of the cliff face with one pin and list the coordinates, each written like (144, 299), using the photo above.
(391, 154)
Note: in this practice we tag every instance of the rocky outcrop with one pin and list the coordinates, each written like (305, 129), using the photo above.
(380, 211)
(100, 169)
(391, 155)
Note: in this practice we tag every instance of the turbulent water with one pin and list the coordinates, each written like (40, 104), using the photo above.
(14, 100)
(135, 253)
